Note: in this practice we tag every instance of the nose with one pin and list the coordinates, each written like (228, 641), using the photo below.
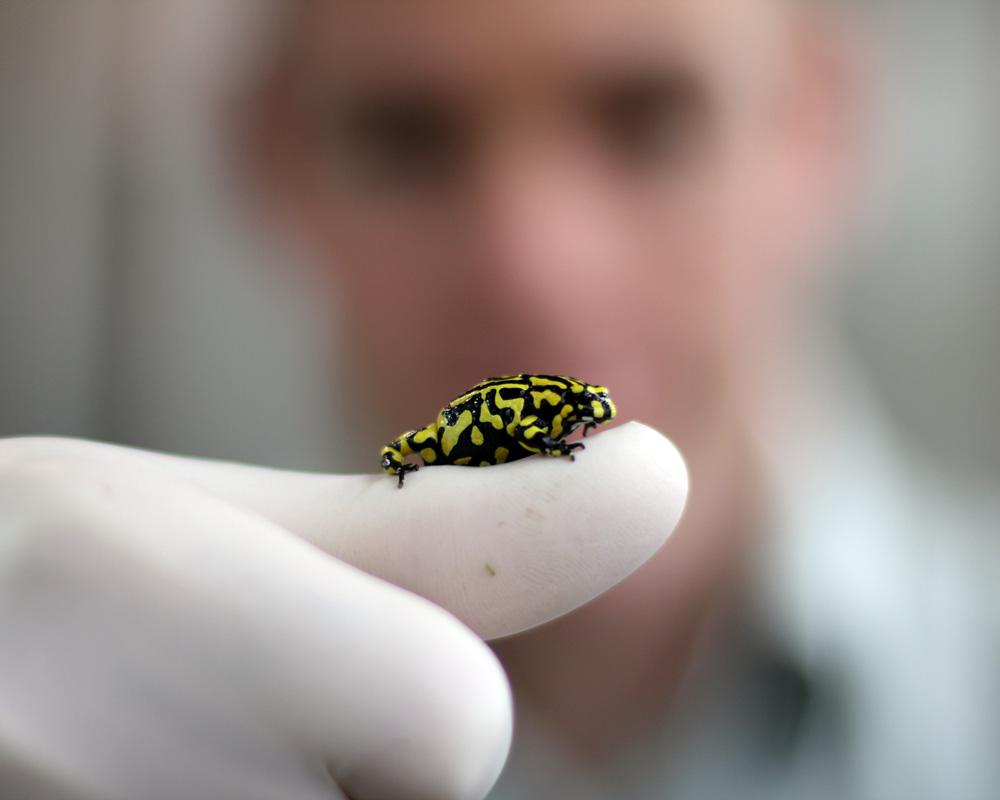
(547, 228)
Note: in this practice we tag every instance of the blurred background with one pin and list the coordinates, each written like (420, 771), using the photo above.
(138, 304)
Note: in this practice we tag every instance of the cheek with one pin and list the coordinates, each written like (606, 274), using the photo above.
(384, 258)
(690, 251)
(713, 261)
(404, 288)
(697, 294)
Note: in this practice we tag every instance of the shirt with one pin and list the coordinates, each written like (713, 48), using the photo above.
(868, 668)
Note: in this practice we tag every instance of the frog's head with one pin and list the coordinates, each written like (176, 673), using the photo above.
(594, 406)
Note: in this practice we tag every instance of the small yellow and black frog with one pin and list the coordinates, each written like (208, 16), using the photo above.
(504, 419)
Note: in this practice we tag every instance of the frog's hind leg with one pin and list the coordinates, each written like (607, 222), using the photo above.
(394, 453)
(422, 443)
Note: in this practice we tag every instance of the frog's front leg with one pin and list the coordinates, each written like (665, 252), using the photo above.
(536, 439)
(551, 447)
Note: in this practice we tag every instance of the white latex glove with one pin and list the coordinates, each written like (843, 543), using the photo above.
(174, 628)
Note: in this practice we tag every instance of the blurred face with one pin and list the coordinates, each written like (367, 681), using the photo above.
(611, 189)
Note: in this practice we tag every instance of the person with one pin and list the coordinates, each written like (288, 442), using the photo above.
(642, 194)
(636, 193)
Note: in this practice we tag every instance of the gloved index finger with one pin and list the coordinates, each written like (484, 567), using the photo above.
(504, 548)
(510, 547)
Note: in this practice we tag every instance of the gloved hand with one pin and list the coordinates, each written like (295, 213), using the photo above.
(175, 628)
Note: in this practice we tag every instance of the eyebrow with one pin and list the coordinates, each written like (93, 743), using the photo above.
(675, 84)
(387, 110)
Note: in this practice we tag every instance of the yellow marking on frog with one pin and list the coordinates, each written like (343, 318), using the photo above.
(531, 431)
(426, 434)
(476, 435)
(550, 397)
(541, 380)
(451, 433)
(598, 409)
(428, 455)
(485, 415)
(516, 404)
(559, 421)
(500, 455)
(463, 462)
(486, 463)
(556, 428)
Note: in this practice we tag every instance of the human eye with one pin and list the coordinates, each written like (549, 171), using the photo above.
(402, 138)
(648, 119)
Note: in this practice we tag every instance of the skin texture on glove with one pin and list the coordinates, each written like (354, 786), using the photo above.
(173, 627)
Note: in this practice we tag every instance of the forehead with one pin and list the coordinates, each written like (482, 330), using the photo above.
(493, 41)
